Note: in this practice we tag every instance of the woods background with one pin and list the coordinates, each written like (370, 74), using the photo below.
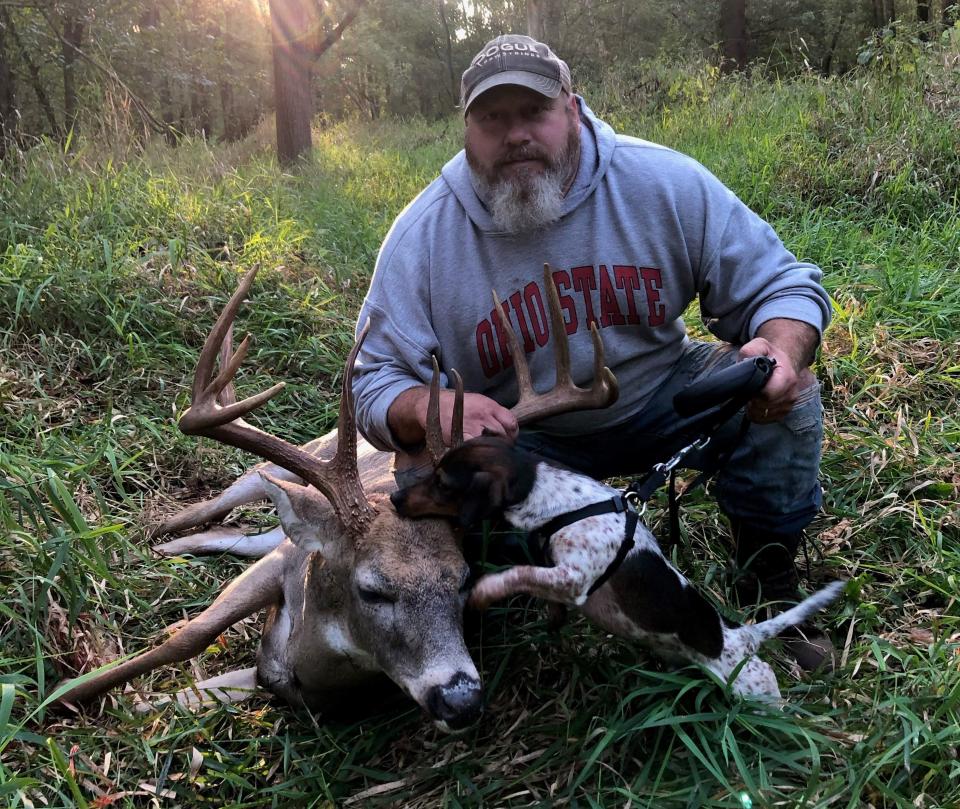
(185, 68)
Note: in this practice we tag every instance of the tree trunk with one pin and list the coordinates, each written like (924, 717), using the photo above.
(542, 21)
(200, 109)
(8, 99)
(166, 110)
(292, 63)
(733, 27)
(226, 107)
(453, 88)
(827, 62)
(225, 82)
(923, 19)
(294, 52)
(70, 42)
(884, 13)
(35, 79)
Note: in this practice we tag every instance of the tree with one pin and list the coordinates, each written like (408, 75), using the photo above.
(543, 20)
(884, 13)
(73, 27)
(733, 28)
(297, 43)
(8, 98)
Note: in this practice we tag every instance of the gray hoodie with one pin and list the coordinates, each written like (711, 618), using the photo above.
(644, 231)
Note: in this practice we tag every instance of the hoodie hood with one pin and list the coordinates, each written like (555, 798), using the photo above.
(597, 142)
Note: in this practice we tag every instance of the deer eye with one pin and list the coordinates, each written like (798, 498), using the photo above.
(369, 596)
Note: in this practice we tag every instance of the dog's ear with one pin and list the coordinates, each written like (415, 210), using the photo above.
(483, 498)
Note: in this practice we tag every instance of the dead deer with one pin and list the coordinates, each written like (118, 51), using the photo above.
(353, 591)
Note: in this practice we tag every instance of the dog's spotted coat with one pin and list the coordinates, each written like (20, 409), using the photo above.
(647, 599)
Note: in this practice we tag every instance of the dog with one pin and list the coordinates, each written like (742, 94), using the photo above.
(644, 598)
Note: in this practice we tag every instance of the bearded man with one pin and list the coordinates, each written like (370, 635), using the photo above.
(634, 232)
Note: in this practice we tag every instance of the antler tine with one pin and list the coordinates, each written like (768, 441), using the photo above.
(227, 394)
(521, 369)
(434, 430)
(565, 395)
(456, 425)
(337, 479)
(204, 412)
(346, 454)
(558, 328)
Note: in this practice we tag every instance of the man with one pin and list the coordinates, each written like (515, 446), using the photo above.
(634, 233)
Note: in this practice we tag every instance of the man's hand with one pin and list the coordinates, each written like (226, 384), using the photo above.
(407, 416)
(792, 344)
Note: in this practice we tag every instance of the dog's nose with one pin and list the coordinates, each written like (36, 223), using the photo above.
(397, 498)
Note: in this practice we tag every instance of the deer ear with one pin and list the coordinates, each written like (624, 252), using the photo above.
(483, 499)
(307, 518)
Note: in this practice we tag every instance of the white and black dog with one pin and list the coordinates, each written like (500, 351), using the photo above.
(644, 598)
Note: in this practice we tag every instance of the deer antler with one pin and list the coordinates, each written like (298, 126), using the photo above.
(434, 437)
(565, 396)
(337, 479)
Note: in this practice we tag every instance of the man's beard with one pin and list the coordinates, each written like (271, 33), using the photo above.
(529, 200)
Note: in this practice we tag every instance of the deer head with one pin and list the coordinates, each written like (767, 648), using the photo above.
(398, 586)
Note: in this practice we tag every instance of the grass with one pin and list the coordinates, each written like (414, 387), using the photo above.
(112, 267)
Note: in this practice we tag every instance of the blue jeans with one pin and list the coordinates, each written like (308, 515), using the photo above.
(769, 481)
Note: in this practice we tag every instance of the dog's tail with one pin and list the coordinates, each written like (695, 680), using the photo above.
(798, 614)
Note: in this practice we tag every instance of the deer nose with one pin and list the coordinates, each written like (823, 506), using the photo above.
(458, 703)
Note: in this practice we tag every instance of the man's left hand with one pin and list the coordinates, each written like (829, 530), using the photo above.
(792, 344)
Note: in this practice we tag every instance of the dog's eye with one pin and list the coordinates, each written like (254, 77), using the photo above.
(369, 596)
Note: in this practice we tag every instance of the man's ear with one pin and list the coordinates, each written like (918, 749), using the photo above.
(306, 516)
(484, 498)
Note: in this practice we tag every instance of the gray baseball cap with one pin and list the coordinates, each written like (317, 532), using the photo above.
(514, 59)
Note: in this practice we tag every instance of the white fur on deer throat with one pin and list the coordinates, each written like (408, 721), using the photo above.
(337, 639)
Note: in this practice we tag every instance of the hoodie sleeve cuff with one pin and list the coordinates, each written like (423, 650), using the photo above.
(375, 427)
(792, 308)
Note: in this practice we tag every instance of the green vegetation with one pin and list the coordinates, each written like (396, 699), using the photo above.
(112, 266)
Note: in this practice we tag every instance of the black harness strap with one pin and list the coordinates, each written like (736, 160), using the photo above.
(632, 518)
(615, 505)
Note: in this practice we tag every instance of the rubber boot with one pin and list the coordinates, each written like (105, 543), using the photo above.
(766, 576)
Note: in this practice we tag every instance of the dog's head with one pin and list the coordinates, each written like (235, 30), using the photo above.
(475, 481)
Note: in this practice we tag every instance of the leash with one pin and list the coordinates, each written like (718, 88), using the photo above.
(724, 393)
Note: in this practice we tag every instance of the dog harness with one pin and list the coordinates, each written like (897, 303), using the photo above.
(618, 504)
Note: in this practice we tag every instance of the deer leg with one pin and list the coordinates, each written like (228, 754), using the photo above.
(229, 688)
(552, 583)
(223, 540)
(253, 590)
(247, 488)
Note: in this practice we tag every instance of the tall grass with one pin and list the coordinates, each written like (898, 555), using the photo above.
(112, 268)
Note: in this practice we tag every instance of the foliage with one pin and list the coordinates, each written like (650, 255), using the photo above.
(206, 67)
(113, 262)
